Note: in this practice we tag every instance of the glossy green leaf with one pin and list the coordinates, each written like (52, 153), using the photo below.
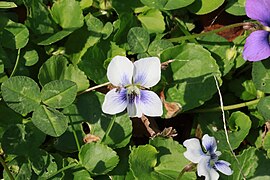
(138, 39)
(219, 47)
(244, 89)
(253, 163)
(107, 30)
(203, 6)
(239, 126)
(126, 18)
(73, 73)
(175, 4)
(264, 107)
(61, 13)
(92, 63)
(158, 46)
(261, 75)
(57, 68)
(5, 5)
(142, 161)
(15, 35)
(266, 141)
(167, 4)
(86, 3)
(52, 38)
(30, 57)
(79, 42)
(93, 24)
(171, 159)
(50, 121)
(59, 93)
(21, 94)
(98, 158)
(236, 7)
(186, 81)
(153, 15)
(39, 19)
(18, 138)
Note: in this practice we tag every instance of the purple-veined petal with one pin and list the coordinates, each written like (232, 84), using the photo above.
(147, 71)
(150, 104)
(257, 46)
(223, 166)
(209, 143)
(120, 71)
(194, 151)
(259, 10)
(115, 101)
(204, 169)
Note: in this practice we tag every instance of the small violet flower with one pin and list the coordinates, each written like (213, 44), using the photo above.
(257, 46)
(208, 162)
(132, 81)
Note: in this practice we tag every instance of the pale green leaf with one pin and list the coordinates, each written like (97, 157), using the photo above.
(138, 39)
(50, 121)
(21, 94)
(200, 7)
(59, 93)
(98, 158)
(61, 12)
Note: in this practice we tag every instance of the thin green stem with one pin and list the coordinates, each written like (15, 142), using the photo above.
(16, 63)
(226, 108)
(75, 135)
(189, 167)
(194, 36)
(6, 168)
(95, 87)
(61, 170)
(109, 129)
(182, 27)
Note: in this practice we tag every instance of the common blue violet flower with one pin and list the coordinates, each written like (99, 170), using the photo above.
(257, 45)
(208, 162)
(131, 81)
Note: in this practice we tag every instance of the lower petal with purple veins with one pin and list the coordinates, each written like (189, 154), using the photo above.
(115, 101)
(223, 166)
(257, 46)
(204, 168)
(149, 103)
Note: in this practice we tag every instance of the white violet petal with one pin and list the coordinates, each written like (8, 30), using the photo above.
(115, 101)
(194, 151)
(120, 71)
(147, 72)
(150, 104)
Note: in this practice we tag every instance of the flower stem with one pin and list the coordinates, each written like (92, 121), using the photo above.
(16, 63)
(63, 169)
(109, 128)
(94, 87)
(226, 108)
(194, 36)
(189, 167)
(6, 168)
(74, 134)
(182, 27)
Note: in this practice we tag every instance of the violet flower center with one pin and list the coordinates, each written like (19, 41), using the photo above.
(132, 92)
